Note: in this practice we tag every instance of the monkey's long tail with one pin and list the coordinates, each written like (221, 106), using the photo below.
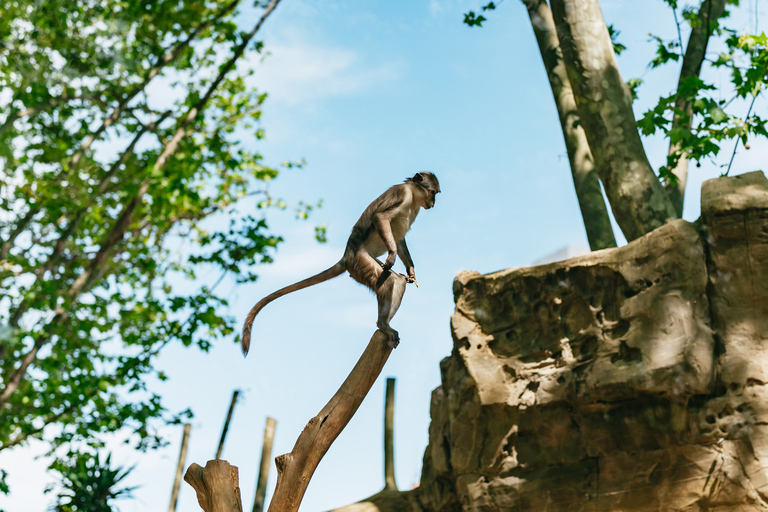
(335, 271)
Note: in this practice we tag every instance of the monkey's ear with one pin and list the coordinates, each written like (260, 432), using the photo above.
(418, 178)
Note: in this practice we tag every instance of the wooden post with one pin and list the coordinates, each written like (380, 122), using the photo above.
(266, 461)
(216, 486)
(389, 437)
(180, 468)
(295, 469)
(226, 424)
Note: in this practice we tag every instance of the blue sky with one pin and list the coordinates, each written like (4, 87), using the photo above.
(369, 93)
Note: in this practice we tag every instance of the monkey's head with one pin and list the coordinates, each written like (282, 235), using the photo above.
(427, 181)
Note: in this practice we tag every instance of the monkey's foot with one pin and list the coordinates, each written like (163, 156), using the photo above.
(393, 338)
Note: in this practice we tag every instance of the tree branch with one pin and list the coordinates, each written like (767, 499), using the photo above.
(46, 421)
(13, 382)
(15, 114)
(154, 71)
(695, 54)
(295, 469)
(5, 248)
(103, 183)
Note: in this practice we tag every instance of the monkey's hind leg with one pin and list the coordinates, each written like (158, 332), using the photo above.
(388, 286)
(389, 294)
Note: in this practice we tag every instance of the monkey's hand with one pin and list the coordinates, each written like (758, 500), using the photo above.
(390, 260)
(411, 277)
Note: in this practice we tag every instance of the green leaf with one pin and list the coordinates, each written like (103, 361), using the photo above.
(617, 46)
(474, 20)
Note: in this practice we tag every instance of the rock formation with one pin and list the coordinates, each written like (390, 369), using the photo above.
(629, 379)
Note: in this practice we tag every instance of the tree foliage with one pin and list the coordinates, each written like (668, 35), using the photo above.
(121, 129)
(712, 121)
(88, 483)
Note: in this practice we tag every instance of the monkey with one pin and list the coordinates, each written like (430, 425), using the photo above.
(380, 229)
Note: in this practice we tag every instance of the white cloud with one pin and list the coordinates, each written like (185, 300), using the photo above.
(436, 8)
(298, 71)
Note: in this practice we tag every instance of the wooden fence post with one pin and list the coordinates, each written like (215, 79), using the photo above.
(266, 462)
(389, 437)
(226, 424)
(180, 468)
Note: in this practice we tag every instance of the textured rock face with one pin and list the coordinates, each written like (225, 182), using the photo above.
(628, 379)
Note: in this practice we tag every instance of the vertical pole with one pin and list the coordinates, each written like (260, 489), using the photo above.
(180, 468)
(389, 437)
(266, 460)
(226, 424)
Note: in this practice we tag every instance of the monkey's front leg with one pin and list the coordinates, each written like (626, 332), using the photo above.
(402, 250)
(381, 222)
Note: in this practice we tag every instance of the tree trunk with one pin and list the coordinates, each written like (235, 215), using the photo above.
(637, 198)
(695, 52)
(295, 469)
(585, 178)
(216, 486)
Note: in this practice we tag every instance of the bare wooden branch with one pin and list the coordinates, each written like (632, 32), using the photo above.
(180, 468)
(216, 486)
(266, 462)
(295, 469)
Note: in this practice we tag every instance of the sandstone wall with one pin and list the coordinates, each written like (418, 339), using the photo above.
(628, 379)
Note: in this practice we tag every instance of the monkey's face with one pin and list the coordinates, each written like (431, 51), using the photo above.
(428, 181)
(430, 199)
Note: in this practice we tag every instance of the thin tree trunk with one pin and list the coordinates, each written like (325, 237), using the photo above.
(179, 468)
(295, 469)
(266, 462)
(389, 437)
(637, 198)
(695, 53)
(585, 178)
